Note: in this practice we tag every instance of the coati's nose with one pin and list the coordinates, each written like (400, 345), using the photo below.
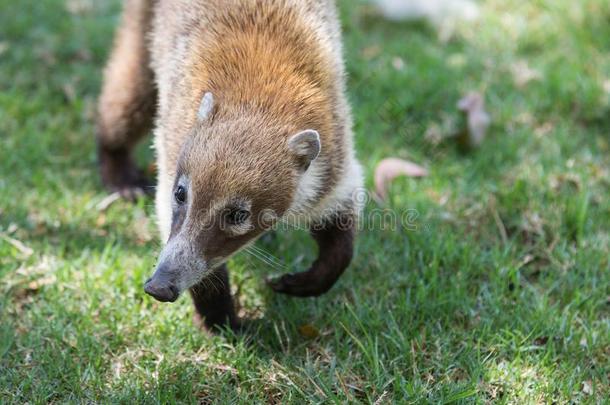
(161, 291)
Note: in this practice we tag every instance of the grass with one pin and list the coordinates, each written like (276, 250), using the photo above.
(499, 292)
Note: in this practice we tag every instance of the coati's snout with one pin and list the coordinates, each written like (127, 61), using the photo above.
(162, 286)
(229, 189)
(180, 266)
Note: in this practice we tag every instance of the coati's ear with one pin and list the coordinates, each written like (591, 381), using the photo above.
(306, 145)
(206, 107)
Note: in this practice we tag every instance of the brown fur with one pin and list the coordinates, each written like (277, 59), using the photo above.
(274, 68)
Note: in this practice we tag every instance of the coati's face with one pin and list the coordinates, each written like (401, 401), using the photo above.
(233, 181)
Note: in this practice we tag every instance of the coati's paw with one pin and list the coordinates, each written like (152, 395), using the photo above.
(119, 174)
(297, 284)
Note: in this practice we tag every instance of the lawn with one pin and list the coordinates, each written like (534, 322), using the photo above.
(497, 291)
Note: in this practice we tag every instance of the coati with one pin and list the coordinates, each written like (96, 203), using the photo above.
(251, 127)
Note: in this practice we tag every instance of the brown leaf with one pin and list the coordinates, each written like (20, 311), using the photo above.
(151, 169)
(587, 387)
(309, 331)
(17, 244)
(477, 119)
(79, 7)
(101, 220)
(390, 168)
(35, 285)
(3, 47)
(398, 63)
(371, 52)
(69, 90)
(141, 228)
(523, 74)
(108, 201)
(383, 399)
(541, 340)
(438, 12)
(606, 86)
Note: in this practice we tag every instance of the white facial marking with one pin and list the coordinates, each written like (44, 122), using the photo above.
(189, 266)
(241, 228)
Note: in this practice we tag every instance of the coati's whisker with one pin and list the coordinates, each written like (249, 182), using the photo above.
(265, 260)
(268, 255)
(261, 258)
(251, 262)
(216, 282)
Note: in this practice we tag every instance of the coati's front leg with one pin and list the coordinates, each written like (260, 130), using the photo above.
(335, 239)
(127, 102)
(213, 301)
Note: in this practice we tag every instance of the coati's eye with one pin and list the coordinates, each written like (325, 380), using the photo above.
(237, 216)
(180, 195)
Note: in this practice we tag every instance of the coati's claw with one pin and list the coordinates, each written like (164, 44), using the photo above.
(297, 284)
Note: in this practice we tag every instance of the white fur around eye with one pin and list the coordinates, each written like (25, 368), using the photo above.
(240, 229)
(224, 207)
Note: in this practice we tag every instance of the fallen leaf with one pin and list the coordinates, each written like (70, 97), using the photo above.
(606, 86)
(226, 369)
(79, 7)
(435, 11)
(34, 286)
(398, 63)
(309, 331)
(3, 47)
(151, 169)
(17, 244)
(587, 387)
(108, 201)
(457, 60)
(541, 340)
(27, 360)
(382, 399)
(141, 228)
(477, 119)
(434, 134)
(523, 74)
(371, 52)
(83, 55)
(69, 90)
(390, 168)
(101, 220)
(544, 129)
(583, 342)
